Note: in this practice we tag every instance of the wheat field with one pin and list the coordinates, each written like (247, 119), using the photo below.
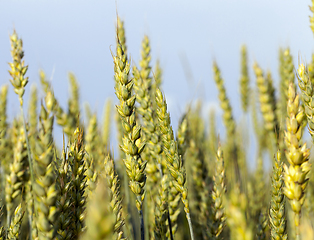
(160, 183)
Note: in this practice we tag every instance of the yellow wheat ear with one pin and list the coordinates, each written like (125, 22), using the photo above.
(297, 154)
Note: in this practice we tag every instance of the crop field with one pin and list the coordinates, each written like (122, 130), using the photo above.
(160, 182)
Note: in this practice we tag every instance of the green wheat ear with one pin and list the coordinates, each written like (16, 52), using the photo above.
(18, 68)
(161, 210)
(261, 227)
(2, 229)
(312, 17)
(46, 192)
(19, 175)
(288, 76)
(230, 125)
(106, 126)
(68, 120)
(244, 80)
(307, 93)
(218, 216)
(15, 226)
(239, 226)
(92, 142)
(224, 102)
(121, 39)
(100, 219)
(18, 80)
(133, 143)
(77, 162)
(115, 199)
(191, 139)
(3, 112)
(267, 102)
(277, 217)
(157, 76)
(33, 116)
(92, 154)
(64, 200)
(173, 160)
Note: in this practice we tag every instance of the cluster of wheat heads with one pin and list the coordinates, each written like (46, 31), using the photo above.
(82, 191)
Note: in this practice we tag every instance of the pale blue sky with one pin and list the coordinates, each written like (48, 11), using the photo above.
(61, 36)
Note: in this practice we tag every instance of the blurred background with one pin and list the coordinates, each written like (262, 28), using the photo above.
(186, 36)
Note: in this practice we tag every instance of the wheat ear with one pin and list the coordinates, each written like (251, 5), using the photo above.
(218, 216)
(18, 175)
(115, 199)
(161, 210)
(64, 200)
(295, 176)
(133, 144)
(77, 162)
(312, 17)
(16, 223)
(174, 162)
(266, 98)
(277, 217)
(17, 71)
(244, 80)
(45, 191)
(100, 219)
